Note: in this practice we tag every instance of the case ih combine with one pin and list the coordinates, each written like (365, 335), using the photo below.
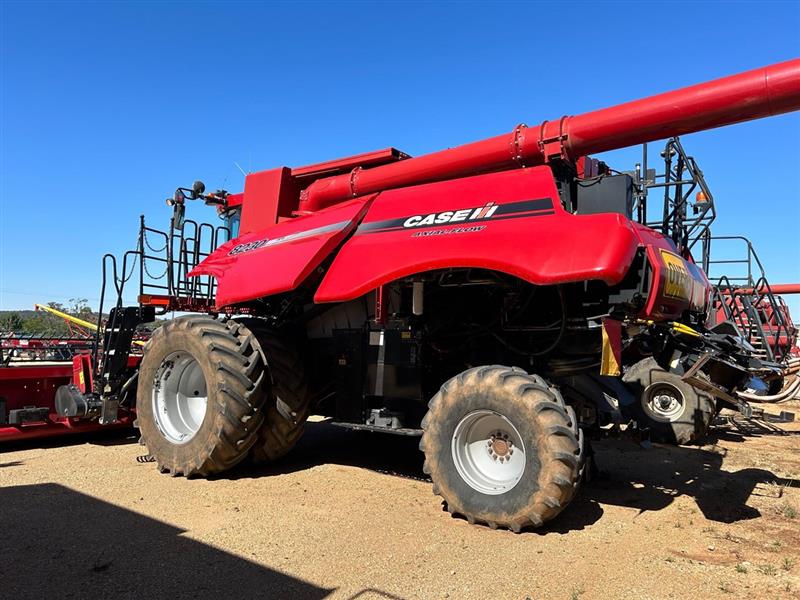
(505, 300)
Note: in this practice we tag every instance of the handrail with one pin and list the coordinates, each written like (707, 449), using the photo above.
(766, 320)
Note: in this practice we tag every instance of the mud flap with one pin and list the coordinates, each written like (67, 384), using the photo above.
(612, 348)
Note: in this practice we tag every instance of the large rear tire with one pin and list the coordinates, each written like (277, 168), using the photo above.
(202, 385)
(502, 448)
(673, 411)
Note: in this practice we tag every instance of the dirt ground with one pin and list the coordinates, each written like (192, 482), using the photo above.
(350, 515)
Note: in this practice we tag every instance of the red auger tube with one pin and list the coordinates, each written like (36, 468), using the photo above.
(762, 92)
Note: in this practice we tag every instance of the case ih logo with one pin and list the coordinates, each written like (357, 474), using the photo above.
(491, 210)
(449, 216)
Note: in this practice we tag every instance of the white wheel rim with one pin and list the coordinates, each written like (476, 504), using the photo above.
(488, 452)
(180, 397)
(663, 402)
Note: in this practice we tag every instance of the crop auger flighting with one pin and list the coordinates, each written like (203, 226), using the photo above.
(503, 300)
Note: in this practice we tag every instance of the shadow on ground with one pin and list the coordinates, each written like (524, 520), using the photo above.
(629, 475)
(58, 543)
(652, 479)
(734, 428)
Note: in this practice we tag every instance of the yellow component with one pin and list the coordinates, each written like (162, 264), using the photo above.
(64, 315)
(640, 322)
(608, 362)
(75, 320)
(685, 329)
(678, 281)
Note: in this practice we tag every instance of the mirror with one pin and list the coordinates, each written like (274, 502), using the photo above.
(178, 210)
(177, 198)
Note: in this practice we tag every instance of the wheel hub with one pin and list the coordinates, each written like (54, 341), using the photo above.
(500, 446)
(179, 397)
(483, 446)
(663, 402)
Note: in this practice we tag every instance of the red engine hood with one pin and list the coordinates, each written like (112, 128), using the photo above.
(278, 258)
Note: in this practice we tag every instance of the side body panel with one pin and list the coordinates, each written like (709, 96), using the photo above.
(279, 258)
(677, 284)
(511, 221)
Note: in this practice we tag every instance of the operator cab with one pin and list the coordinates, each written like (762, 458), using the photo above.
(231, 218)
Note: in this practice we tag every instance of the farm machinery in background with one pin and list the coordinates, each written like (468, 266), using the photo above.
(504, 300)
(34, 367)
(746, 298)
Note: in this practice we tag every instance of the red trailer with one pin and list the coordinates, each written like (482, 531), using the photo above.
(32, 368)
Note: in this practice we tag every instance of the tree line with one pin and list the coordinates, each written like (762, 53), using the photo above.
(43, 323)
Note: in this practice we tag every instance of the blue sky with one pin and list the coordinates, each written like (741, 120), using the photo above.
(107, 107)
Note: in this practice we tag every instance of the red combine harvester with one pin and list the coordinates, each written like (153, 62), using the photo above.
(32, 368)
(505, 300)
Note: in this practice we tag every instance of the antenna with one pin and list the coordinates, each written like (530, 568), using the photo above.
(240, 168)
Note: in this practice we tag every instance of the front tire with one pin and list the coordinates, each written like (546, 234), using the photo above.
(502, 448)
(289, 401)
(201, 389)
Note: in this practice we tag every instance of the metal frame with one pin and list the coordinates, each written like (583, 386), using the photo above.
(753, 312)
(749, 302)
(681, 178)
(182, 250)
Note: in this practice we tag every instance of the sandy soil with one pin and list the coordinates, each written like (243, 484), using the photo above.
(350, 515)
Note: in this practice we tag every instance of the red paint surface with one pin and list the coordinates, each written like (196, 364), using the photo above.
(541, 249)
(776, 321)
(780, 289)
(659, 306)
(283, 266)
(36, 385)
(556, 248)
